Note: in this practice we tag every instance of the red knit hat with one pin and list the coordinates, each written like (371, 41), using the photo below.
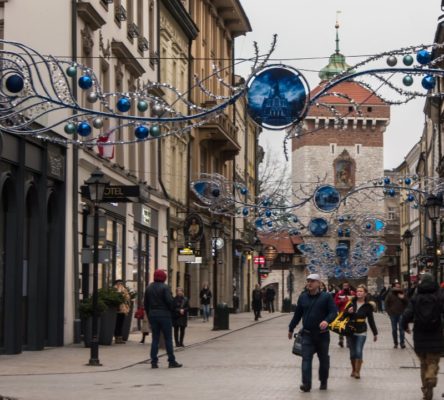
(159, 275)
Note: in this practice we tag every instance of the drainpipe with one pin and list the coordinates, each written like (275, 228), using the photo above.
(75, 185)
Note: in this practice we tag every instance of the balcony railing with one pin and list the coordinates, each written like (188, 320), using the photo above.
(120, 13)
(133, 30)
(143, 44)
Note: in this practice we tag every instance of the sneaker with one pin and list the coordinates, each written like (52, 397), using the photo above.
(304, 388)
(323, 386)
(174, 364)
(154, 365)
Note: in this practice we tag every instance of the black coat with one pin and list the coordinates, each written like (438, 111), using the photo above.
(179, 303)
(205, 296)
(359, 317)
(158, 300)
(425, 341)
(256, 299)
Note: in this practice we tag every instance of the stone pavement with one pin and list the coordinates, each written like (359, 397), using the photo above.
(252, 363)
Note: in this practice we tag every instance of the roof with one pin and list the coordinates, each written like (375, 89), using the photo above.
(352, 89)
(282, 241)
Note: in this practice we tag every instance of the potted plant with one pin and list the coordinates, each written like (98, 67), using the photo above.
(112, 300)
(86, 313)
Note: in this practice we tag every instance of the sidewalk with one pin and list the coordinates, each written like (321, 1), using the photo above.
(73, 358)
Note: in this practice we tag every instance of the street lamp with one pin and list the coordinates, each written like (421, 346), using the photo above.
(215, 235)
(398, 257)
(96, 186)
(433, 205)
(407, 237)
(258, 248)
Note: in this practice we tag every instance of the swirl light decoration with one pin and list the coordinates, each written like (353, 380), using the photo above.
(35, 88)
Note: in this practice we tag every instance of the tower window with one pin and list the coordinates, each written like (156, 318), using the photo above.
(332, 148)
(358, 149)
(350, 109)
(369, 109)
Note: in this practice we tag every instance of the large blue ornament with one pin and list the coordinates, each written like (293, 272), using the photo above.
(123, 104)
(141, 132)
(259, 223)
(84, 129)
(15, 83)
(85, 82)
(318, 227)
(327, 198)
(410, 198)
(244, 191)
(392, 192)
(268, 213)
(428, 82)
(423, 57)
(407, 181)
(387, 181)
(379, 225)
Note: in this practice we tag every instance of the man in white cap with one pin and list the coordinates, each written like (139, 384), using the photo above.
(316, 309)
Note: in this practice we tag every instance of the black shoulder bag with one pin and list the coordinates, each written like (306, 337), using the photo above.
(297, 344)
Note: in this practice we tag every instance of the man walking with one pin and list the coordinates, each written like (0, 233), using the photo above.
(269, 298)
(425, 310)
(316, 309)
(158, 304)
(395, 304)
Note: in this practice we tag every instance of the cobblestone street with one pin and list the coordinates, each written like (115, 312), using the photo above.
(251, 363)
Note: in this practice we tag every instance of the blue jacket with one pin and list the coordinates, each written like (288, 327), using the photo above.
(323, 308)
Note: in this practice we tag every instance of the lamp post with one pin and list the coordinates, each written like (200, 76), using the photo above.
(433, 205)
(258, 249)
(408, 237)
(96, 185)
(215, 235)
(398, 257)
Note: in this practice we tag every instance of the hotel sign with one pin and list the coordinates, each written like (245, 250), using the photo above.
(115, 194)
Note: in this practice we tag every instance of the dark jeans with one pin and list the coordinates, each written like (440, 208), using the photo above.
(119, 324)
(396, 321)
(357, 346)
(179, 334)
(164, 325)
(311, 344)
(257, 313)
(270, 305)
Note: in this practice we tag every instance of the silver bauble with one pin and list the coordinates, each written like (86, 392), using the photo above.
(158, 109)
(392, 61)
(98, 123)
(92, 97)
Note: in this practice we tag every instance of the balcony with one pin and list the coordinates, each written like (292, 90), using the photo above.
(120, 13)
(133, 30)
(143, 44)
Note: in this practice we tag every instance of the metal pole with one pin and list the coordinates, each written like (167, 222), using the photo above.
(249, 285)
(214, 279)
(435, 254)
(94, 357)
(409, 282)
(283, 284)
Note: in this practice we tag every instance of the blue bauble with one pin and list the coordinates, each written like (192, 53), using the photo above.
(347, 232)
(215, 192)
(15, 83)
(341, 219)
(410, 198)
(123, 104)
(259, 223)
(244, 191)
(392, 192)
(141, 132)
(85, 82)
(71, 71)
(268, 213)
(408, 60)
(387, 181)
(142, 105)
(295, 219)
(407, 80)
(84, 129)
(428, 82)
(70, 128)
(340, 232)
(270, 224)
(423, 57)
(245, 211)
(368, 226)
(318, 227)
(266, 202)
(155, 131)
(407, 181)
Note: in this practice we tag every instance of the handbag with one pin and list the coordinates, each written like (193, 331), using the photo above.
(297, 344)
(343, 324)
(139, 314)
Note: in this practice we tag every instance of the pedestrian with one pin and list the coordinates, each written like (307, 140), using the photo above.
(256, 298)
(317, 310)
(323, 287)
(382, 295)
(205, 301)
(361, 310)
(180, 316)
(395, 304)
(159, 305)
(425, 310)
(142, 320)
(341, 300)
(332, 290)
(122, 311)
(269, 298)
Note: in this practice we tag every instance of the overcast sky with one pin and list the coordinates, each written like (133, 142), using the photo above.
(305, 28)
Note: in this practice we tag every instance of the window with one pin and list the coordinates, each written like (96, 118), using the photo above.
(391, 213)
(358, 149)
(369, 109)
(332, 148)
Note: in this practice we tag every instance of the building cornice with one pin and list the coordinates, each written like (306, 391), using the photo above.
(127, 58)
(182, 17)
(87, 12)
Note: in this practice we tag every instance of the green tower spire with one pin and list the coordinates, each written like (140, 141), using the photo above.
(337, 63)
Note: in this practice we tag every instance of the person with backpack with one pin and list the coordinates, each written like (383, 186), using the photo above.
(257, 301)
(425, 311)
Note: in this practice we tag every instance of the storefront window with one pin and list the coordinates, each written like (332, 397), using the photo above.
(144, 260)
(119, 267)
(115, 240)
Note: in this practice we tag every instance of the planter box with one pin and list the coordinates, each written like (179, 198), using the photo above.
(107, 325)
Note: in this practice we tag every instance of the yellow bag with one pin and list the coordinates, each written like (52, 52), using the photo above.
(343, 324)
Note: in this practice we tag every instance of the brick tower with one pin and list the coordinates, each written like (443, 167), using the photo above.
(347, 154)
